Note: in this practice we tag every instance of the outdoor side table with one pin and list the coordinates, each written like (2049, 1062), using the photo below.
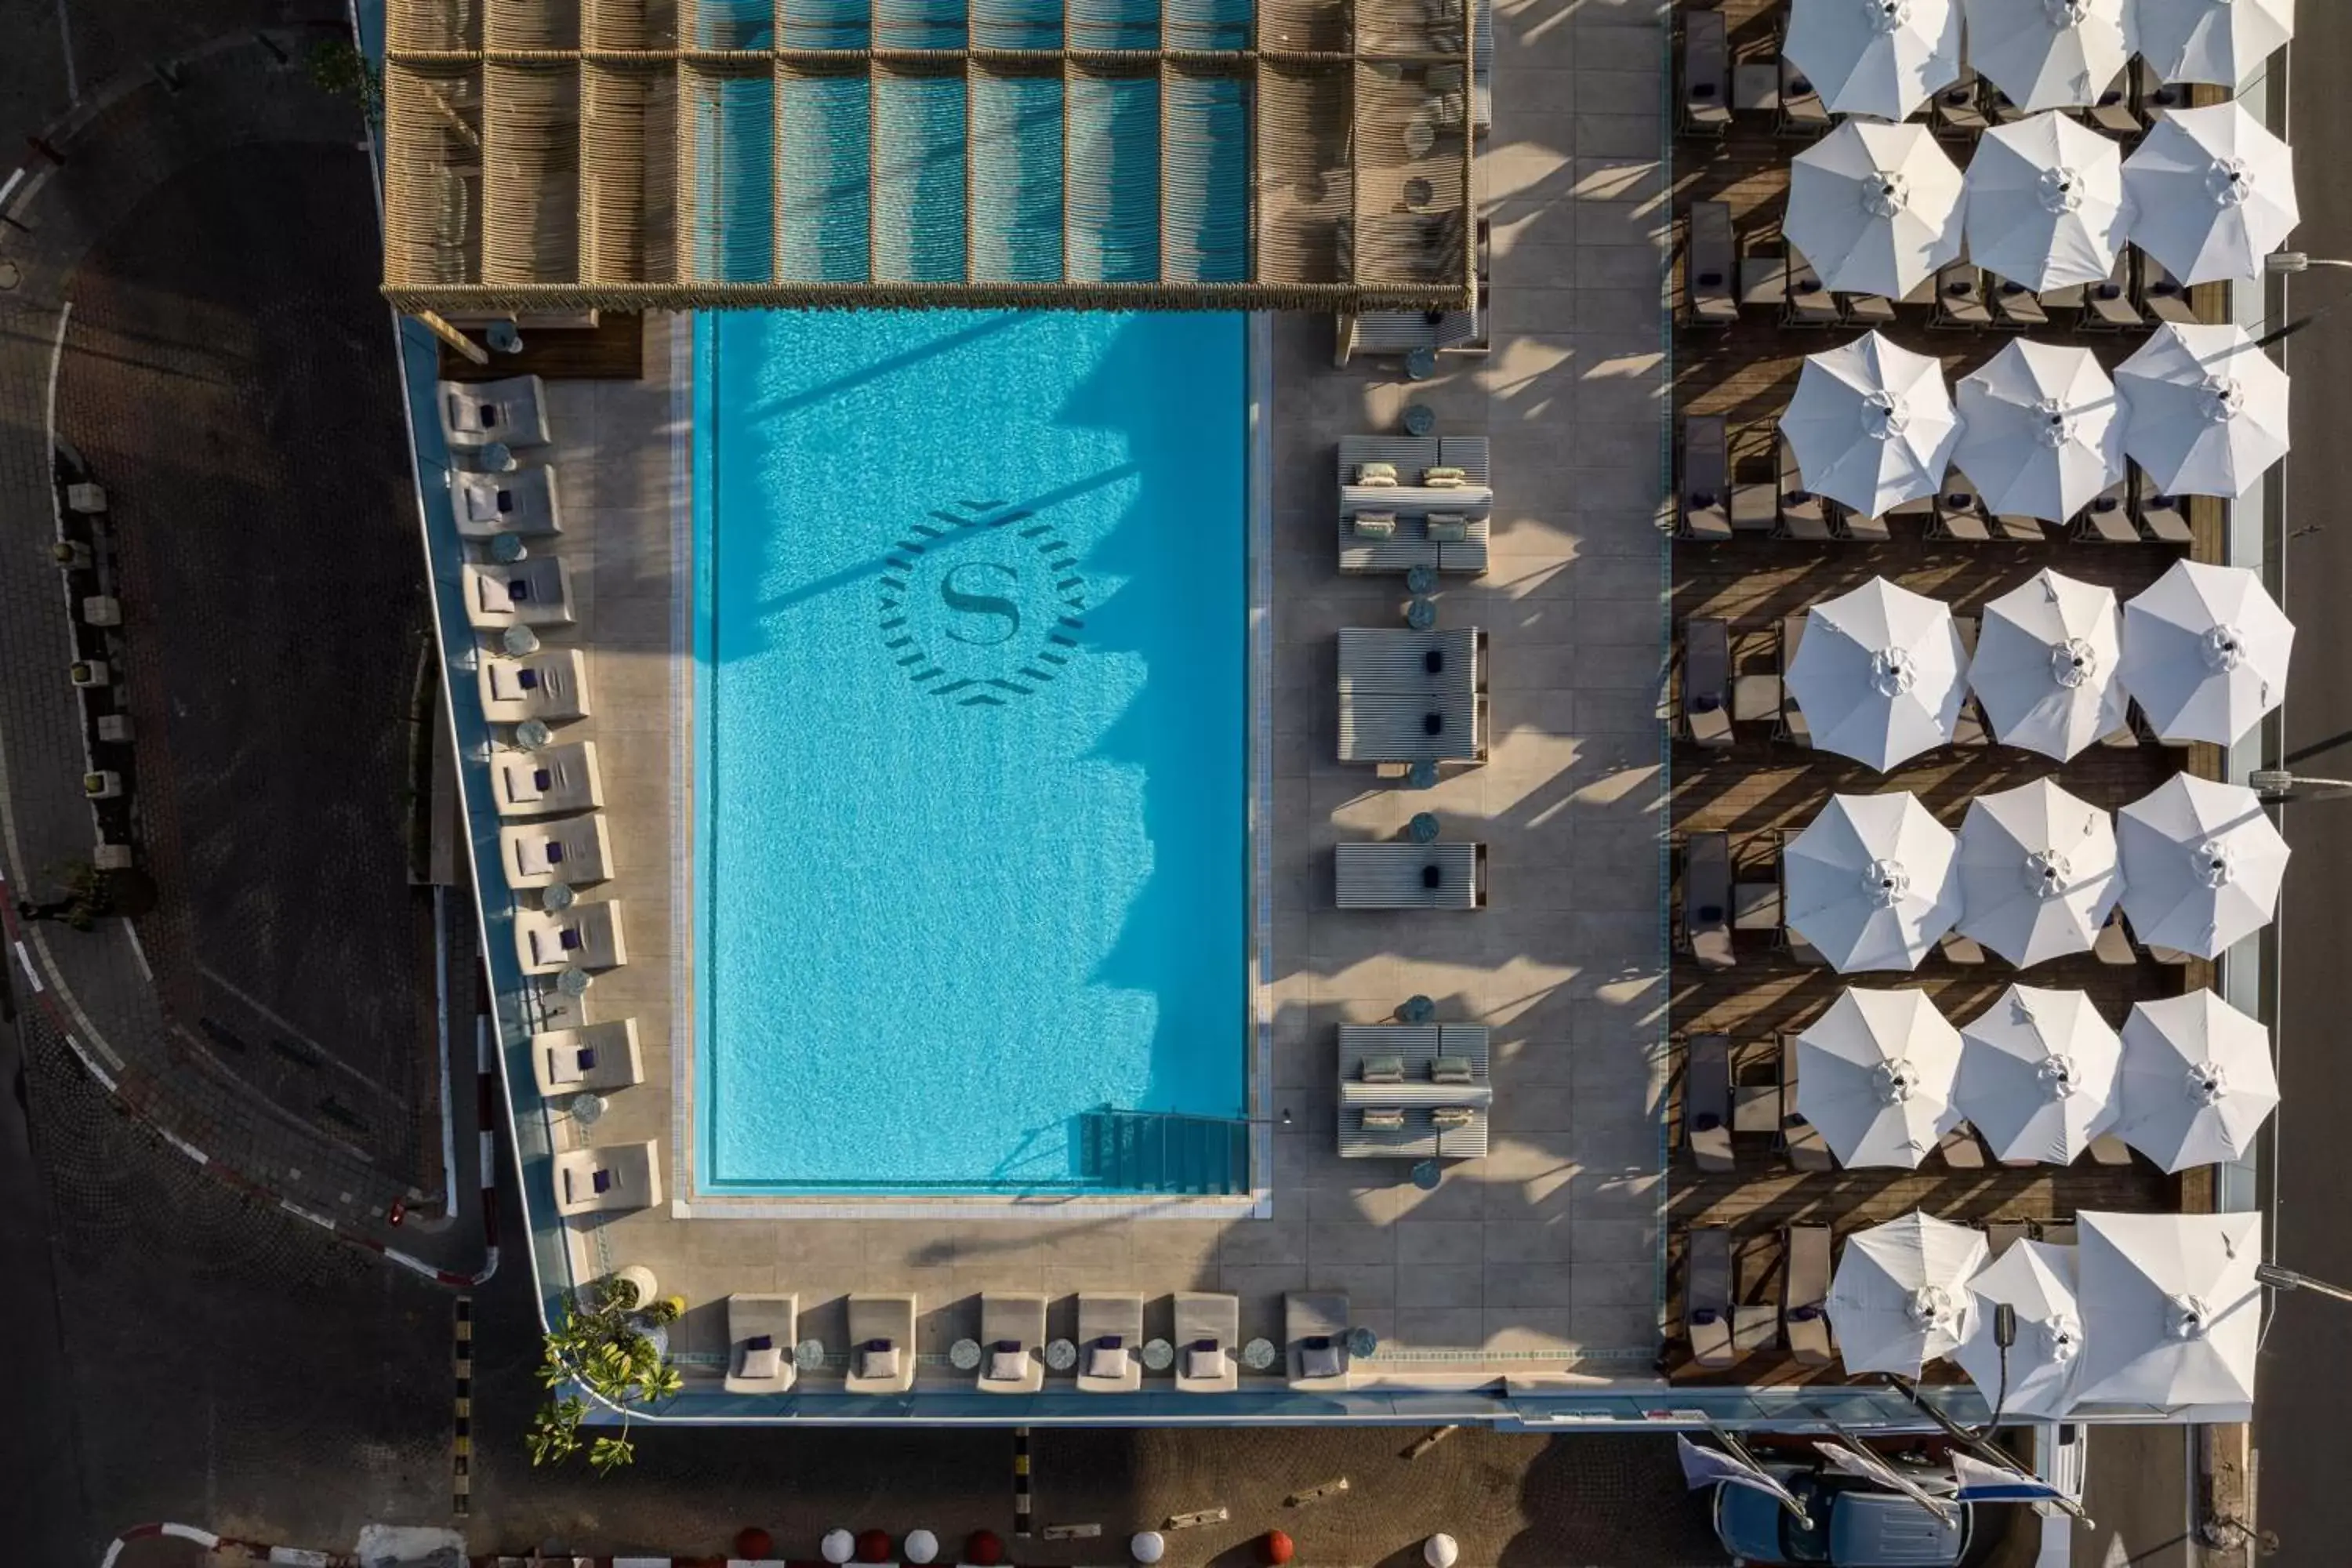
(1159, 1355)
(1258, 1354)
(1061, 1355)
(964, 1355)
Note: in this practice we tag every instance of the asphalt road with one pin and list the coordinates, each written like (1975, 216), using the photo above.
(2305, 1375)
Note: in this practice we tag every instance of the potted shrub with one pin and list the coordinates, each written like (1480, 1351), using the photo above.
(616, 1353)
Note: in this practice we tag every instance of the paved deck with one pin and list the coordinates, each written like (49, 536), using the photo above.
(1546, 1253)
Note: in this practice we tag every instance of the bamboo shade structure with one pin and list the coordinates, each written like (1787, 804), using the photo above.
(649, 154)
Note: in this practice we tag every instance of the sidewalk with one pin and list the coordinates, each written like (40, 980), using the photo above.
(193, 642)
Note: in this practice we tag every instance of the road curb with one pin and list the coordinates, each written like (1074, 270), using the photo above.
(294, 1556)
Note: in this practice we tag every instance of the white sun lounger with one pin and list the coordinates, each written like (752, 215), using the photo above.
(595, 1059)
(605, 1181)
(475, 414)
(1396, 874)
(522, 503)
(1110, 1339)
(881, 1344)
(540, 783)
(1208, 1333)
(575, 851)
(1314, 1329)
(536, 593)
(585, 936)
(1011, 1342)
(552, 684)
(760, 1333)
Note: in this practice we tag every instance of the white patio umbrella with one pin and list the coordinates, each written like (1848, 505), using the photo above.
(1875, 1076)
(2174, 1305)
(2045, 666)
(2036, 1375)
(2202, 864)
(1878, 673)
(1875, 208)
(2047, 54)
(2043, 431)
(2037, 1076)
(1870, 882)
(1879, 57)
(2037, 872)
(2197, 1080)
(2205, 652)
(2205, 410)
(1872, 425)
(1900, 1298)
(2212, 193)
(2220, 41)
(2045, 205)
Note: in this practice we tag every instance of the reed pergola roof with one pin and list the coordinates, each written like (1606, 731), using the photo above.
(565, 154)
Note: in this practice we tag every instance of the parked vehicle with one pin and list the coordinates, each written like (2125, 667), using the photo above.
(1854, 1524)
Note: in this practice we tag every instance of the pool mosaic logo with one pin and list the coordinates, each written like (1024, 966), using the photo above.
(981, 603)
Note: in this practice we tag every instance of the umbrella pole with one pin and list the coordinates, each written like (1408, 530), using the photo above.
(1983, 1449)
(2278, 1278)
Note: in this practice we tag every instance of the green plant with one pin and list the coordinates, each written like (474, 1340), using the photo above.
(338, 67)
(602, 1346)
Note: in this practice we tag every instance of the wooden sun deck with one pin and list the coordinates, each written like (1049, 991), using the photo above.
(611, 349)
(1759, 785)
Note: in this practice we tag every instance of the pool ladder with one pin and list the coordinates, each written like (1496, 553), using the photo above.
(1164, 1152)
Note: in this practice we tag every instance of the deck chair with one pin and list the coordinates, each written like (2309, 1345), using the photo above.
(512, 412)
(1707, 899)
(612, 1179)
(594, 1059)
(1755, 1262)
(1800, 1138)
(1868, 310)
(1803, 514)
(881, 1345)
(2107, 307)
(1961, 1150)
(2107, 1149)
(1803, 113)
(1314, 1328)
(1960, 511)
(1707, 1296)
(1208, 1328)
(1011, 1342)
(1110, 1343)
(2164, 517)
(1957, 111)
(1706, 478)
(2163, 295)
(1707, 1102)
(2001, 1234)
(1809, 303)
(1970, 729)
(552, 684)
(2107, 519)
(2151, 92)
(1863, 530)
(1961, 298)
(1791, 941)
(1707, 73)
(2113, 945)
(2017, 308)
(1707, 680)
(1805, 1294)
(574, 851)
(1711, 265)
(540, 783)
(584, 936)
(536, 593)
(1792, 721)
(760, 1333)
(522, 503)
(2112, 110)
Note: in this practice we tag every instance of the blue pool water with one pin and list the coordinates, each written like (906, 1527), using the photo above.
(971, 853)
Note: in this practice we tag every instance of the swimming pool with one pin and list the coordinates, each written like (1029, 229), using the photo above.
(970, 838)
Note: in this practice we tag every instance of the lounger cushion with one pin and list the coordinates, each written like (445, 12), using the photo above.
(1204, 1362)
(1376, 525)
(1448, 528)
(1007, 1363)
(1451, 1070)
(877, 1359)
(1319, 1358)
(1383, 1070)
(766, 1362)
(1376, 474)
(1106, 1357)
(564, 1065)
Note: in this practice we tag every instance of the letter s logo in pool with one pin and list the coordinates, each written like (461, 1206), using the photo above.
(998, 610)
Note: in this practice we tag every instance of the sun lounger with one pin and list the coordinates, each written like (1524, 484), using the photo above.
(1961, 1148)
(2109, 1149)
(552, 684)
(1764, 279)
(609, 1179)
(1706, 900)
(2165, 518)
(2151, 92)
(1707, 1295)
(594, 1058)
(1757, 1269)
(1011, 1342)
(1800, 1140)
(585, 936)
(540, 783)
(760, 1333)
(523, 502)
(1867, 310)
(1399, 875)
(2113, 945)
(2107, 519)
(1961, 298)
(1960, 511)
(2107, 307)
(1805, 1293)
(881, 1345)
(536, 593)
(1414, 1091)
(1110, 1343)
(1864, 530)
(1803, 113)
(2163, 295)
(1706, 478)
(1803, 514)
(574, 851)
(1968, 729)
(1792, 721)
(1707, 680)
(512, 412)
(1409, 696)
(1810, 303)
(2018, 307)
(1315, 1330)
(2112, 110)
(1958, 113)
(2003, 1233)
(1711, 265)
(1706, 72)
(1707, 1102)
(1208, 1330)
